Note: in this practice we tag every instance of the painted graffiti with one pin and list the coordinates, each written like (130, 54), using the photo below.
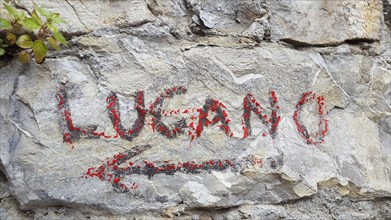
(113, 108)
(196, 124)
(213, 112)
(114, 170)
(318, 137)
(251, 105)
(156, 110)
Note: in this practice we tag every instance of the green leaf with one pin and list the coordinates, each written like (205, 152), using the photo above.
(1, 40)
(42, 11)
(24, 56)
(11, 10)
(40, 51)
(11, 38)
(55, 15)
(21, 15)
(59, 38)
(40, 61)
(53, 43)
(30, 23)
(5, 24)
(35, 15)
(2, 51)
(58, 21)
(53, 28)
(24, 41)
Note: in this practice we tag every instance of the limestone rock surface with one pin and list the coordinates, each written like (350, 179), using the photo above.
(325, 22)
(201, 109)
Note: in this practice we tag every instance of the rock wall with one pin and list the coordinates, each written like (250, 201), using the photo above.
(197, 109)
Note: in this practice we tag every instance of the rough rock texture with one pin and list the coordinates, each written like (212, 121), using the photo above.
(202, 110)
(325, 22)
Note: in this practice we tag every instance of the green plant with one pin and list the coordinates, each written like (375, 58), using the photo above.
(30, 36)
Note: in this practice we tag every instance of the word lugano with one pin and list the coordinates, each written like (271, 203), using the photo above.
(199, 117)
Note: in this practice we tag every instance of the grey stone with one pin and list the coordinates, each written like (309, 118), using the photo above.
(263, 212)
(216, 50)
(325, 22)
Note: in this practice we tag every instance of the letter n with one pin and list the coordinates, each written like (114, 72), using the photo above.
(251, 105)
